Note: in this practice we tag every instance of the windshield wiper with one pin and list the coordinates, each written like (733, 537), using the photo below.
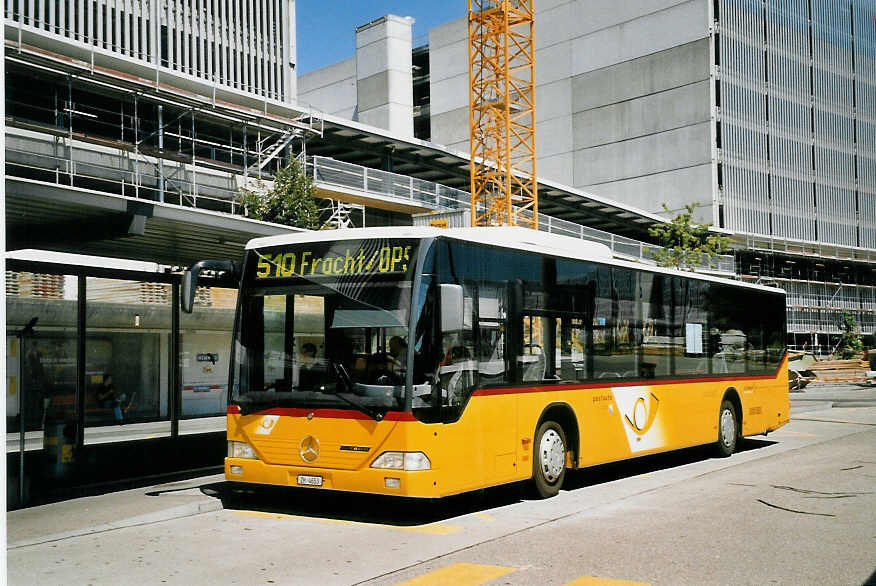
(258, 401)
(345, 379)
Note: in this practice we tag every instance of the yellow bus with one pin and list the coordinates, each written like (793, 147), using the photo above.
(426, 362)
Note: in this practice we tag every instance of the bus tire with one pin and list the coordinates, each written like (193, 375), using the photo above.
(548, 459)
(728, 429)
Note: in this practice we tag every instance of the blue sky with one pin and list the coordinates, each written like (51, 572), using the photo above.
(326, 28)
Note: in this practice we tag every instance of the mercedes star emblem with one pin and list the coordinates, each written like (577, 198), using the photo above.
(309, 448)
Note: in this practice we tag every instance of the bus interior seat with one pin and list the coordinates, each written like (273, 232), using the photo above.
(567, 370)
(534, 370)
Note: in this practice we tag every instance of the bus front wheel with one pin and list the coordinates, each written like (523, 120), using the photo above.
(548, 459)
(728, 429)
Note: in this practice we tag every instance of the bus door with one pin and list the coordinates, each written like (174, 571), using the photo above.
(500, 417)
(474, 357)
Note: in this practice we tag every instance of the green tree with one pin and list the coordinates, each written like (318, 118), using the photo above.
(291, 201)
(685, 242)
(850, 344)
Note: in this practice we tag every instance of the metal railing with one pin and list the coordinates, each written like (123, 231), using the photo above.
(144, 183)
(138, 184)
(326, 171)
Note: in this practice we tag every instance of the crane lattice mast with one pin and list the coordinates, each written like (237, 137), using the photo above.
(502, 113)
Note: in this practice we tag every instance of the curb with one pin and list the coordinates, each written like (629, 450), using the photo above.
(178, 512)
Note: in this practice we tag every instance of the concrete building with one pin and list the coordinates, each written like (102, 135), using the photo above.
(232, 50)
(374, 86)
(762, 113)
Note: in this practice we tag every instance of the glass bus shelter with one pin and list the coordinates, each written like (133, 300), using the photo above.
(106, 379)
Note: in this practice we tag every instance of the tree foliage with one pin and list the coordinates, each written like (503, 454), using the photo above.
(289, 202)
(686, 242)
(850, 344)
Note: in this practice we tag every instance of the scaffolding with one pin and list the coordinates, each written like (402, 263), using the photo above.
(341, 215)
(819, 290)
(149, 142)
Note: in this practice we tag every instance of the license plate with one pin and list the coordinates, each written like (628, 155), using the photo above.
(310, 480)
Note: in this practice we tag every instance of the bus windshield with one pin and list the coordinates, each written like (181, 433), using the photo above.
(331, 333)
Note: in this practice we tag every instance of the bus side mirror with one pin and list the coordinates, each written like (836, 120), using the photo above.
(187, 291)
(451, 307)
(190, 280)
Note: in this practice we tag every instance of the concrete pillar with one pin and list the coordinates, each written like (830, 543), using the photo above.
(292, 55)
(384, 84)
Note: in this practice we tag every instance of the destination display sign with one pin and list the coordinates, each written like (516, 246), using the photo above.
(335, 259)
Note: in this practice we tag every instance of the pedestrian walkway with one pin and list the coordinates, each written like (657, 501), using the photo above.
(84, 516)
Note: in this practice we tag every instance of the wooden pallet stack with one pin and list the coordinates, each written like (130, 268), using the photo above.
(24, 284)
(130, 292)
(839, 371)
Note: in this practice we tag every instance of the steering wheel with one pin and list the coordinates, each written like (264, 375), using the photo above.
(343, 375)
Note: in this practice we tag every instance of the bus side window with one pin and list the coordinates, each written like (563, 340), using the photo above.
(491, 335)
(570, 357)
(616, 340)
(458, 369)
(533, 359)
(656, 325)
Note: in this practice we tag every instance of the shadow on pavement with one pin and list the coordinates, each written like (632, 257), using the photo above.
(400, 511)
(363, 508)
(585, 477)
(204, 488)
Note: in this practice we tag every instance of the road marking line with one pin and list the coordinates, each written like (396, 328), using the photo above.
(484, 516)
(594, 581)
(459, 575)
(431, 529)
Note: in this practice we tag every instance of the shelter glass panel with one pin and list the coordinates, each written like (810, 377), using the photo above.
(41, 354)
(40, 349)
(128, 330)
(205, 352)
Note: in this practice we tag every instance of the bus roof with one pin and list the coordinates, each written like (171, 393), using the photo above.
(504, 237)
(515, 238)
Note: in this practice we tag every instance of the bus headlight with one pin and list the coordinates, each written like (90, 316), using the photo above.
(241, 450)
(402, 461)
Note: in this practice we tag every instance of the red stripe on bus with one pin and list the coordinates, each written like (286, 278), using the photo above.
(608, 384)
(325, 413)
(400, 416)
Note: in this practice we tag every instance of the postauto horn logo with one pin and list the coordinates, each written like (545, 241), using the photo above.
(638, 408)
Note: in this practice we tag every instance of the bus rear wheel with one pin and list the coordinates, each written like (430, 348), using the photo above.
(728, 429)
(548, 459)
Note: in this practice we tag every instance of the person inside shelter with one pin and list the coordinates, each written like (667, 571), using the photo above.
(109, 398)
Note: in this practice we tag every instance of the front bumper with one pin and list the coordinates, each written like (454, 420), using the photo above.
(419, 483)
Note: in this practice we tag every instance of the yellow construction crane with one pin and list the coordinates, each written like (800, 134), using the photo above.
(501, 73)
